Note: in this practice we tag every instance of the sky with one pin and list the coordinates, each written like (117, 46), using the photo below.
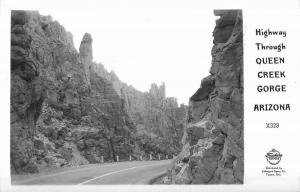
(144, 42)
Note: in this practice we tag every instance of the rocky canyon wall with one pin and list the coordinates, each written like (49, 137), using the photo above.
(67, 110)
(213, 151)
(159, 120)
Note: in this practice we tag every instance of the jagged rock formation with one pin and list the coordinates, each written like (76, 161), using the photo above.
(65, 109)
(159, 120)
(86, 54)
(213, 139)
(162, 118)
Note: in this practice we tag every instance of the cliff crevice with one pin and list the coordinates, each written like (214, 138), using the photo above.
(213, 145)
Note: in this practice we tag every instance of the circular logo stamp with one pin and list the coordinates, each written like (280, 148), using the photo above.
(273, 157)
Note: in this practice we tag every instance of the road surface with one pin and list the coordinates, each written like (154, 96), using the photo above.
(134, 172)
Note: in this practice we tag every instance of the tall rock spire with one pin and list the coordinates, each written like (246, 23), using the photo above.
(86, 54)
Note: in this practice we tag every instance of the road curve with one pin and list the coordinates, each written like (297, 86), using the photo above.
(134, 172)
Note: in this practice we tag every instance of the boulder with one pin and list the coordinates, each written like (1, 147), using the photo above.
(207, 86)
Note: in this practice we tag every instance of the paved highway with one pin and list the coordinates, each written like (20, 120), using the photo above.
(134, 172)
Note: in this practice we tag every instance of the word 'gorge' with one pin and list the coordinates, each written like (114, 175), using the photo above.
(271, 88)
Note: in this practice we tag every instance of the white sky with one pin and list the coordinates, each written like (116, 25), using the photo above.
(142, 42)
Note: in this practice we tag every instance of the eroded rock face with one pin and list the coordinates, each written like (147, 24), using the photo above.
(213, 151)
(86, 54)
(159, 120)
(62, 113)
(66, 110)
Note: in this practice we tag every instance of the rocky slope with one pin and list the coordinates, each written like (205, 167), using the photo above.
(213, 150)
(67, 110)
(159, 120)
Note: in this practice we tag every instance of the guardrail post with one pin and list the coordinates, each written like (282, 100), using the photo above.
(158, 156)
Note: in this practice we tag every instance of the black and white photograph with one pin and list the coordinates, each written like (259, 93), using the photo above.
(74, 122)
(134, 95)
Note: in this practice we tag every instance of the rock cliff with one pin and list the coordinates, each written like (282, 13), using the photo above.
(213, 151)
(67, 110)
(159, 120)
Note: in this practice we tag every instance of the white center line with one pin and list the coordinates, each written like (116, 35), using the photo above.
(61, 173)
(122, 170)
